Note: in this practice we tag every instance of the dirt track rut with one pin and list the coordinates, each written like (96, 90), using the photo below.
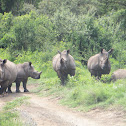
(47, 112)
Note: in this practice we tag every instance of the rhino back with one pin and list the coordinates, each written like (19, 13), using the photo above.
(93, 62)
(10, 71)
(21, 73)
(119, 74)
(71, 62)
(56, 62)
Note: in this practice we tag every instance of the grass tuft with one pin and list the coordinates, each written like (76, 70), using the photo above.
(9, 116)
(17, 102)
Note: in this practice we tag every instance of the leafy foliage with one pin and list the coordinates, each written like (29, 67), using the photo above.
(35, 30)
(26, 32)
(42, 26)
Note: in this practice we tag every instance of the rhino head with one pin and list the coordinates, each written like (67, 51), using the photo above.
(33, 73)
(64, 59)
(104, 58)
(2, 63)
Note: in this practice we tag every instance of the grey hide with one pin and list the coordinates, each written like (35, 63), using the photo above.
(24, 71)
(99, 64)
(64, 64)
(118, 74)
(8, 74)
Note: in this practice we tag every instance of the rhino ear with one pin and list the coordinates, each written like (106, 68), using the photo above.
(30, 63)
(68, 51)
(102, 50)
(4, 61)
(110, 51)
(59, 52)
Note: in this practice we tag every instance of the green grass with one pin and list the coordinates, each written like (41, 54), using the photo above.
(9, 116)
(17, 102)
(9, 119)
(83, 91)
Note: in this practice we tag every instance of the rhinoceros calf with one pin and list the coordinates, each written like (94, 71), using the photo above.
(99, 64)
(8, 74)
(24, 71)
(118, 74)
(64, 64)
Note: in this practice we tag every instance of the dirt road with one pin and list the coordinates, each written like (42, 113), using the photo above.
(48, 112)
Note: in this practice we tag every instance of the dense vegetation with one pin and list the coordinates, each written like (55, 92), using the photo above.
(34, 30)
(85, 26)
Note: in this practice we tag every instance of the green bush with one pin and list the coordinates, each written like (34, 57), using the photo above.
(106, 78)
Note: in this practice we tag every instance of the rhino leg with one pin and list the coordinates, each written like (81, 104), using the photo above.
(17, 87)
(95, 73)
(24, 86)
(0, 89)
(9, 88)
(98, 75)
(58, 73)
(4, 87)
(72, 72)
(62, 77)
(62, 80)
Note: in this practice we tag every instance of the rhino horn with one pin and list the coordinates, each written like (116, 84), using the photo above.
(62, 60)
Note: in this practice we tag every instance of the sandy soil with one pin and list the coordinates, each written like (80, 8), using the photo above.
(46, 111)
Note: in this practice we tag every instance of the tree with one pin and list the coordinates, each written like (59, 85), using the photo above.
(5, 26)
(15, 5)
(105, 6)
(6, 5)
